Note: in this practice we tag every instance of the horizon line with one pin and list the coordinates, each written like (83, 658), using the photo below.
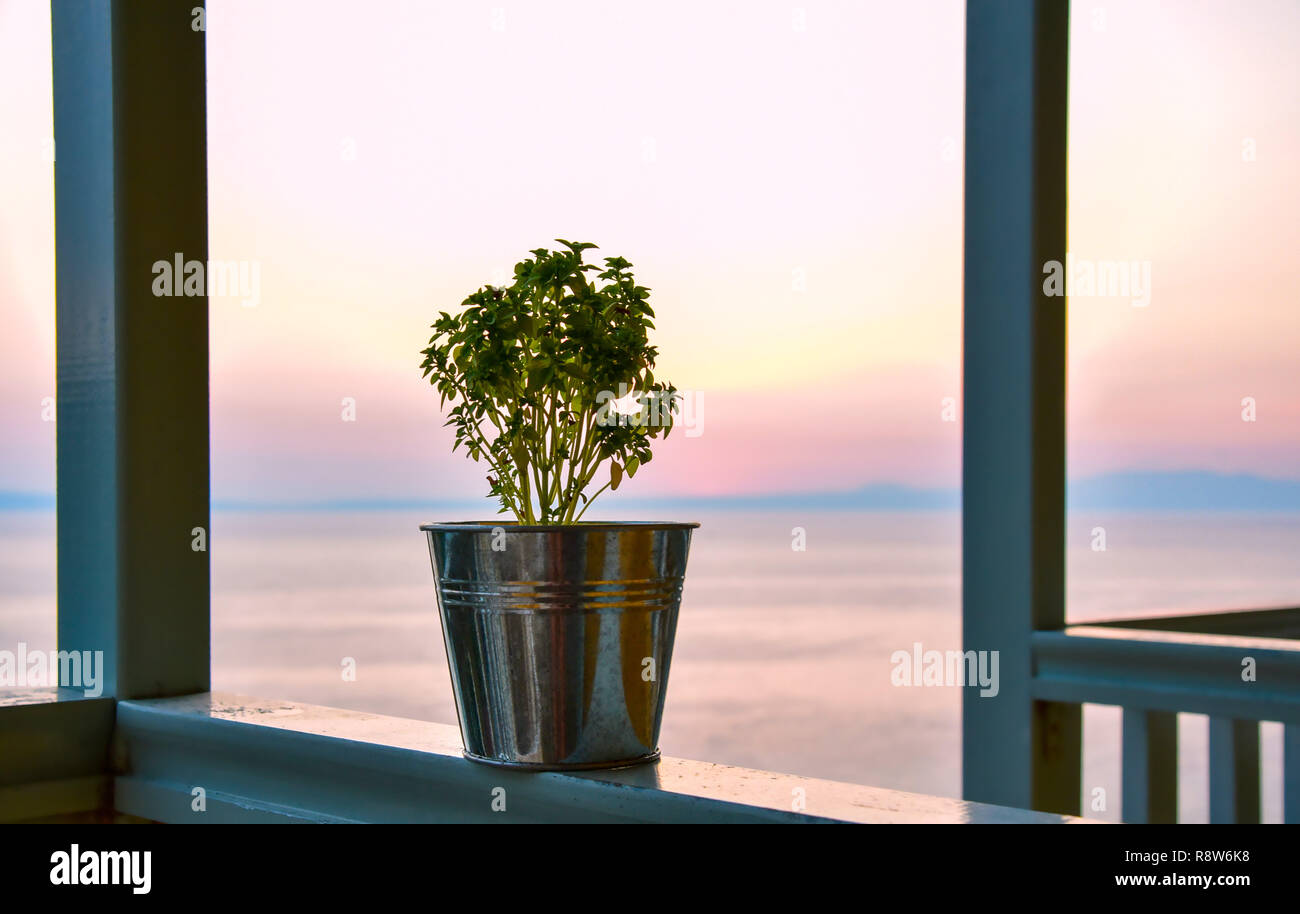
(878, 496)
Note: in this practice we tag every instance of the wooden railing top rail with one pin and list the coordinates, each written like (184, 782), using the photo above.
(1238, 664)
(284, 760)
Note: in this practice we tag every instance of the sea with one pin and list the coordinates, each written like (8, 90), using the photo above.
(788, 627)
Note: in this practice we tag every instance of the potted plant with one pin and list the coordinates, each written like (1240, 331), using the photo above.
(559, 631)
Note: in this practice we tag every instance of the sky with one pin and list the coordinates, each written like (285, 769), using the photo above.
(786, 179)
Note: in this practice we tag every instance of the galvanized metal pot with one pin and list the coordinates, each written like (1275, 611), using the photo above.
(559, 638)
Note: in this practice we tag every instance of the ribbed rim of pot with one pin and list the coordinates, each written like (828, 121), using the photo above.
(486, 526)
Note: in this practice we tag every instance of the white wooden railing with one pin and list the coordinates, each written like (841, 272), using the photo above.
(1238, 668)
(220, 758)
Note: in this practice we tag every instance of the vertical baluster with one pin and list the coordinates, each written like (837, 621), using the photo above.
(1291, 774)
(1150, 765)
(1234, 770)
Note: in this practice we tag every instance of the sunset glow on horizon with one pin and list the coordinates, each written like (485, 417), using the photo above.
(790, 189)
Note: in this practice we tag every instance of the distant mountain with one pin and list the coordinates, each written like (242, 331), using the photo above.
(26, 501)
(1192, 490)
(875, 497)
(1189, 490)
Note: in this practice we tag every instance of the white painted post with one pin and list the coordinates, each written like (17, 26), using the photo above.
(130, 190)
(1015, 750)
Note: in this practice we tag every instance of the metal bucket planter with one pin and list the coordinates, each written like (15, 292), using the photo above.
(559, 638)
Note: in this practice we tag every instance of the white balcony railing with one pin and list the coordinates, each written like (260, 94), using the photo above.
(218, 758)
(1239, 668)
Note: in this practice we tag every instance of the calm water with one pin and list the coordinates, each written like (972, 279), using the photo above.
(782, 657)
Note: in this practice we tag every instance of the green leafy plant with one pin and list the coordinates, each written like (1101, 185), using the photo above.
(550, 378)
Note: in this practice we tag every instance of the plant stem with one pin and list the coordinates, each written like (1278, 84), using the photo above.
(590, 500)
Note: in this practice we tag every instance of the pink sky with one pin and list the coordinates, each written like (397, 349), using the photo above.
(786, 179)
